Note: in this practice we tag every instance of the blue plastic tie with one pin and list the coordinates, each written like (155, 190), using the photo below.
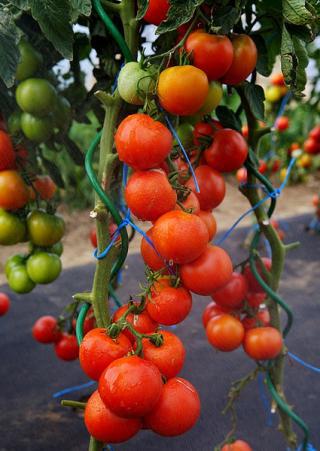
(108, 448)
(303, 363)
(309, 447)
(124, 174)
(68, 390)
(265, 400)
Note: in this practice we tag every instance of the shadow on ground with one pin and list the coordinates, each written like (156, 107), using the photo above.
(31, 420)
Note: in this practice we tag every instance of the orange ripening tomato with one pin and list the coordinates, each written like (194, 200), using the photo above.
(180, 237)
(177, 410)
(315, 200)
(13, 191)
(263, 343)
(211, 310)
(212, 187)
(149, 195)
(245, 131)
(182, 90)
(277, 79)
(227, 152)
(157, 11)
(225, 332)
(142, 142)
(7, 153)
(238, 445)
(244, 60)
(209, 272)
(45, 186)
(209, 220)
(149, 255)
(242, 175)
(232, 294)
(209, 52)
(106, 426)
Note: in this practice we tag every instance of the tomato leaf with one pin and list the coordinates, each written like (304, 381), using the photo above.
(53, 17)
(53, 171)
(180, 12)
(9, 53)
(225, 18)
(80, 7)
(295, 12)
(228, 118)
(255, 98)
(142, 8)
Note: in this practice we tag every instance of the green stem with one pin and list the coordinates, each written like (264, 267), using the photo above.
(74, 404)
(94, 445)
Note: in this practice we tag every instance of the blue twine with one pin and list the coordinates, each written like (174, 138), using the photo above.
(124, 174)
(265, 400)
(108, 448)
(68, 390)
(309, 447)
(274, 194)
(175, 134)
(303, 363)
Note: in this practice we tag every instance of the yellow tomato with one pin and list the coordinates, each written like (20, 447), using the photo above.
(273, 94)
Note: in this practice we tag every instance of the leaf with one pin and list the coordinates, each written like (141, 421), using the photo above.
(53, 17)
(53, 171)
(142, 8)
(20, 4)
(74, 151)
(80, 7)
(295, 12)
(225, 18)
(180, 12)
(255, 98)
(9, 52)
(228, 118)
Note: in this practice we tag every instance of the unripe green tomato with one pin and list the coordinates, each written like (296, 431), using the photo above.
(30, 61)
(14, 123)
(273, 94)
(185, 133)
(37, 129)
(134, 83)
(15, 260)
(62, 113)
(43, 267)
(56, 249)
(36, 96)
(19, 280)
(12, 229)
(44, 229)
(213, 98)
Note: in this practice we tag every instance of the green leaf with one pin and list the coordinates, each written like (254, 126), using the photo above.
(142, 8)
(20, 4)
(74, 151)
(224, 19)
(9, 53)
(228, 118)
(80, 7)
(255, 98)
(53, 171)
(53, 17)
(180, 12)
(295, 12)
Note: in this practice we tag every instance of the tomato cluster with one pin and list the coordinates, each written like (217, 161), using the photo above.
(312, 143)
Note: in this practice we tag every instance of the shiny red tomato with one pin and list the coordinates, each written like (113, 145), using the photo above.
(263, 343)
(106, 426)
(311, 146)
(142, 322)
(277, 79)
(263, 167)
(212, 310)
(232, 294)
(315, 133)
(67, 347)
(7, 153)
(255, 299)
(225, 332)
(211, 53)
(242, 175)
(157, 11)
(130, 386)
(14, 193)
(4, 304)
(212, 187)
(45, 330)
(244, 59)
(98, 350)
(282, 123)
(177, 410)
(209, 272)
(262, 318)
(149, 255)
(253, 284)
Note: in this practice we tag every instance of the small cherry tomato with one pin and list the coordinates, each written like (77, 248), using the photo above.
(263, 343)
(7, 154)
(252, 282)
(225, 332)
(261, 318)
(212, 187)
(67, 347)
(45, 330)
(209, 220)
(238, 445)
(232, 294)
(211, 310)
(244, 59)
(157, 11)
(282, 123)
(4, 304)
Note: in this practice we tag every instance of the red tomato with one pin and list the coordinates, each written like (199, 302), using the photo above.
(282, 123)
(93, 238)
(177, 411)
(233, 293)
(209, 220)
(244, 59)
(295, 146)
(263, 343)
(4, 304)
(204, 131)
(45, 187)
(67, 347)
(169, 305)
(130, 386)
(255, 299)
(169, 357)
(149, 255)
(7, 154)
(262, 318)
(89, 322)
(238, 445)
(142, 322)
(212, 187)
(212, 310)
(149, 195)
(191, 204)
(209, 52)
(227, 152)
(13, 191)
(98, 350)
(252, 282)
(315, 133)
(211, 271)
(45, 330)
(180, 237)
(106, 426)
(276, 165)
(242, 175)
(311, 146)
(182, 90)
(157, 11)
(225, 332)
(315, 200)
(142, 142)
(263, 167)
(277, 79)
(245, 131)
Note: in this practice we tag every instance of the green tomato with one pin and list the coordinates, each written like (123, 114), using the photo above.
(37, 129)
(55, 249)
(44, 229)
(12, 229)
(213, 98)
(62, 113)
(19, 280)
(30, 61)
(14, 123)
(43, 267)
(134, 83)
(273, 94)
(36, 96)
(12, 262)
(185, 133)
